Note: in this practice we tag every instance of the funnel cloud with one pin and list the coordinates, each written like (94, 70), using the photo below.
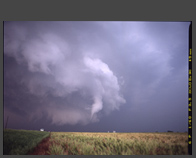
(96, 76)
(55, 69)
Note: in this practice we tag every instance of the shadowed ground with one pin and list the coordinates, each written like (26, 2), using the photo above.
(42, 148)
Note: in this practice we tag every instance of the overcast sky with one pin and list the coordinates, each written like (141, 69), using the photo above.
(96, 76)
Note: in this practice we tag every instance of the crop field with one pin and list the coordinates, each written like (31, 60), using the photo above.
(118, 143)
(20, 142)
(79, 143)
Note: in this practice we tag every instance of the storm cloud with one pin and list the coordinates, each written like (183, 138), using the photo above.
(56, 70)
(71, 73)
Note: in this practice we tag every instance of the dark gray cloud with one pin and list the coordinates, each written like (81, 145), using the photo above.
(96, 73)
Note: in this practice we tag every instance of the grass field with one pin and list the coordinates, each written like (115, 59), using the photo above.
(118, 143)
(75, 143)
(19, 142)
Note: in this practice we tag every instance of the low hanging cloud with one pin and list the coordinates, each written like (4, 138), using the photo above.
(71, 86)
(60, 73)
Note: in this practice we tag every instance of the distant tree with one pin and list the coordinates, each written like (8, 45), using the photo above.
(169, 131)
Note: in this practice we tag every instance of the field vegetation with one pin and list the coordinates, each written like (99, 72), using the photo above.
(62, 143)
(75, 143)
(20, 142)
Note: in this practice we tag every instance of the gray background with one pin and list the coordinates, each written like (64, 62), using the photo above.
(183, 11)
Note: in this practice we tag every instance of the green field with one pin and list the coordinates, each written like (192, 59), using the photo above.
(20, 142)
(76, 143)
